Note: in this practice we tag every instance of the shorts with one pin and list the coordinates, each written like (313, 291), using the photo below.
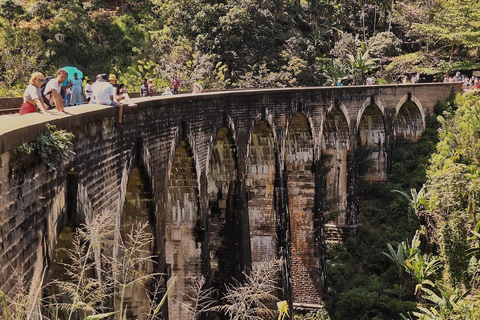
(27, 108)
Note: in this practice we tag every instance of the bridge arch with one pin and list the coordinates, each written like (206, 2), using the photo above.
(138, 214)
(409, 120)
(221, 190)
(218, 134)
(309, 123)
(56, 271)
(133, 205)
(266, 118)
(371, 137)
(301, 179)
(335, 148)
(183, 255)
(367, 103)
(261, 169)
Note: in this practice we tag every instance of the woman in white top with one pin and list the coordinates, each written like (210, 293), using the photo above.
(32, 96)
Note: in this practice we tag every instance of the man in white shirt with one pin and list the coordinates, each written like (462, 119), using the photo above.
(196, 87)
(102, 93)
(53, 90)
(88, 90)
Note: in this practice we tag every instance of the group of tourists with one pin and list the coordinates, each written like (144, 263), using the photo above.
(42, 95)
(472, 82)
(51, 95)
(147, 89)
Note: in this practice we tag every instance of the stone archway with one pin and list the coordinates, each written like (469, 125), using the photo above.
(299, 163)
(260, 186)
(335, 148)
(56, 272)
(371, 136)
(138, 214)
(222, 223)
(408, 123)
(182, 252)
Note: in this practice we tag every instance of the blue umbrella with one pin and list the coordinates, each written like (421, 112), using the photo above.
(71, 70)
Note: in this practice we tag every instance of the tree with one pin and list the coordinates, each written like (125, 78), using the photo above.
(21, 53)
(454, 24)
(454, 187)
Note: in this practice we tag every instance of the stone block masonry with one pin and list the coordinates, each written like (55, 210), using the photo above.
(236, 176)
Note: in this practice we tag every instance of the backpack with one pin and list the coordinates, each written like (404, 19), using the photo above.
(46, 96)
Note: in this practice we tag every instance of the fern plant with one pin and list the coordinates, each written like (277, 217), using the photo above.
(54, 146)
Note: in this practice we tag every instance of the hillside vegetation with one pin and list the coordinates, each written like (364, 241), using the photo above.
(233, 43)
(416, 254)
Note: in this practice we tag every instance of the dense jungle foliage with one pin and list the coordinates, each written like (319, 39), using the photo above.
(232, 43)
(416, 254)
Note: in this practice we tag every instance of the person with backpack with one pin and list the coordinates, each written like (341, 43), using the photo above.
(52, 91)
(32, 95)
(196, 87)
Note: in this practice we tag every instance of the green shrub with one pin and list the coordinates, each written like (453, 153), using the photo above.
(53, 146)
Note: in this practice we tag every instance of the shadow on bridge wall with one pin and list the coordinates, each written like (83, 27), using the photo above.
(236, 177)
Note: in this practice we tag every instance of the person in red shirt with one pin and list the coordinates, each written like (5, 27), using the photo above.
(175, 85)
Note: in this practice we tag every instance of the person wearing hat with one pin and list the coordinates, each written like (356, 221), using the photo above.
(117, 94)
(103, 93)
(113, 81)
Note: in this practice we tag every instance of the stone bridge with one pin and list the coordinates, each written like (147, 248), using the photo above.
(225, 179)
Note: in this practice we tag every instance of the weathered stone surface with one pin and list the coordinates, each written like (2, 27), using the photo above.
(217, 165)
(304, 224)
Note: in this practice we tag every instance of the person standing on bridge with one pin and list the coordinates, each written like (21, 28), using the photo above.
(150, 87)
(88, 90)
(77, 89)
(175, 85)
(144, 89)
(32, 95)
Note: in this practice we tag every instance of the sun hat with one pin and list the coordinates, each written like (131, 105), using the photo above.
(112, 77)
